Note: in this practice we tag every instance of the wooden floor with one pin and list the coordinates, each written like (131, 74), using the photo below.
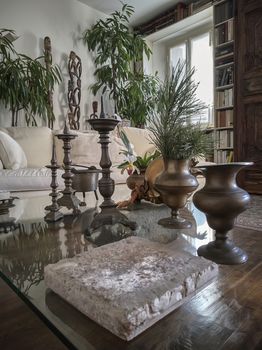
(20, 328)
(226, 315)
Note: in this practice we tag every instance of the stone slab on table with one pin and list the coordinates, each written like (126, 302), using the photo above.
(129, 285)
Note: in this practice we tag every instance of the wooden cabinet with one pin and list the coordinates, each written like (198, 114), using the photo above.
(248, 92)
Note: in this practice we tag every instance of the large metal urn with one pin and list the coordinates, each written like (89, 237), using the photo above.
(222, 201)
(175, 184)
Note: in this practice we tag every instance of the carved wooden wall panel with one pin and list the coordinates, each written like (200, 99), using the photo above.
(248, 91)
(74, 90)
(48, 64)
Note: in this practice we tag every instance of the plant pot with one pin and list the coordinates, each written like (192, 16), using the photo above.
(135, 180)
(222, 201)
(175, 184)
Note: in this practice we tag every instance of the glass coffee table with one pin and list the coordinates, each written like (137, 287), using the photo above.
(212, 318)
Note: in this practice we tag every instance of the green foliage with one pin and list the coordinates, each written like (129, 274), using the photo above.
(138, 100)
(25, 82)
(172, 133)
(116, 48)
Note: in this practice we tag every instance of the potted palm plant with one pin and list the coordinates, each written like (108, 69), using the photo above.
(116, 49)
(178, 140)
(25, 83)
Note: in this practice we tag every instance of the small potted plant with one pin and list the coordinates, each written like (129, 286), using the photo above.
(135, 165)
(177, 140)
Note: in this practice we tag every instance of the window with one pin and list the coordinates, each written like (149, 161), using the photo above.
(197, 51)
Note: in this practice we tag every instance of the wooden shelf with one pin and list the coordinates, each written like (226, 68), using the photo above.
(224, 148)
(224, 128)
(227, 55)
(224, 44)
(223, 108)
(223, 75)
(224, 65)
(223, 22)
(224, 87)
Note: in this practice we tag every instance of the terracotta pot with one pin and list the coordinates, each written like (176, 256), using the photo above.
(222, 200)
(175, 184)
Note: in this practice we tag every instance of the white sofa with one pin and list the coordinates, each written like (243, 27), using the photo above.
(36, 143)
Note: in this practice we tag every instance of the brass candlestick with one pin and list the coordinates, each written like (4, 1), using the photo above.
(54, 213)
(106, 185)
(68, 200)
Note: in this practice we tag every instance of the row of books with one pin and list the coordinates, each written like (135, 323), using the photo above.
(180, 11)
(224, 76)
(223, 157)
(225, 139)
(173, 15)
(224, 33)
(224, 118)
(223, 11)
(224, 98)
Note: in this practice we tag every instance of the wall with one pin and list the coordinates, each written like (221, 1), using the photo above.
(63, 21)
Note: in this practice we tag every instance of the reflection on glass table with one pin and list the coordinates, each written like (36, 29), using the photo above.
(34, 244)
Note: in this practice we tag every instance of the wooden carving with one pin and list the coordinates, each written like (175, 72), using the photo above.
(74, 90)
(48, 63)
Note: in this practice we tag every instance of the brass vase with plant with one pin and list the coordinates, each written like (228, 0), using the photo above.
(177, 140)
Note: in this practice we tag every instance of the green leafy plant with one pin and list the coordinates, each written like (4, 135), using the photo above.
(25, 82)
(116, 48)
(134, 163)
(172, 132)
(138, 100)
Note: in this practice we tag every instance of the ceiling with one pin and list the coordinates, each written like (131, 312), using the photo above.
(144, 9)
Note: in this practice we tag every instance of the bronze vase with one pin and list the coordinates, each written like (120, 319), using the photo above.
(222, 201)
(175, 184)
(135, 180)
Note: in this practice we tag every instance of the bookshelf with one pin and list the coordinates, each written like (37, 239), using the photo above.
(223, 14)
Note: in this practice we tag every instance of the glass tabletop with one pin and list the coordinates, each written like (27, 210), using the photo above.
(35, 243)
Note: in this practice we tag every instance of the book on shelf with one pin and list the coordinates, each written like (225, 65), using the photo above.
(226, 156)
(225, 139)
(199, 5)
(223, 11)
(224, 118)
(224, 33)
(224, 76)
(224, 98)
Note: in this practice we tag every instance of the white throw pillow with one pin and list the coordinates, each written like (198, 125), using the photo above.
(11, 153)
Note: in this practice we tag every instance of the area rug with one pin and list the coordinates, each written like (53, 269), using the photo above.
(252, 217)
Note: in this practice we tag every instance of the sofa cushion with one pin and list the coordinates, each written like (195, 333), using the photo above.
(11, 153)
(28, 179)
(36, 142)
(87, 151)
(1, 165)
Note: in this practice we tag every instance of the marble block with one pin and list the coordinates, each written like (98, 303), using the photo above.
(129, 285)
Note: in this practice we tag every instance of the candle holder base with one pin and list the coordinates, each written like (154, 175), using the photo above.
(223, 253)
(70, 201)
(53, 216)
(111, 216)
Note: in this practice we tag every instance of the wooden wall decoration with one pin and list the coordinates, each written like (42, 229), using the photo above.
(48, 63)
(74, 90)
(248, 92)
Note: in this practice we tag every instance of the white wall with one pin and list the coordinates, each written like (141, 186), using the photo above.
(63, 21)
